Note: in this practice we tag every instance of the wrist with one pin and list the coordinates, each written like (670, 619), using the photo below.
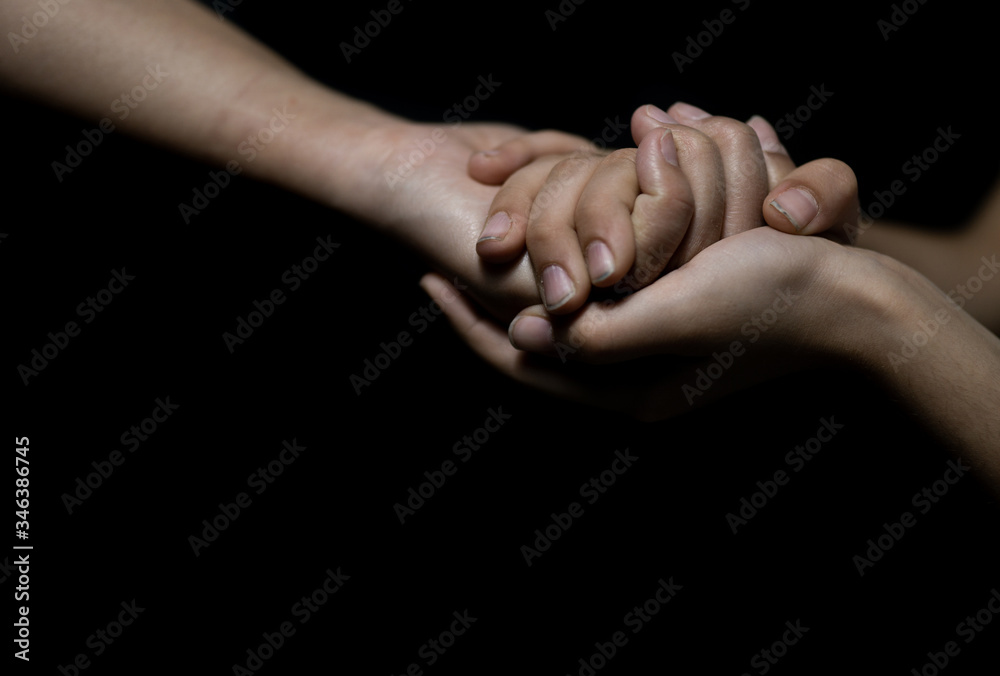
(321, 144)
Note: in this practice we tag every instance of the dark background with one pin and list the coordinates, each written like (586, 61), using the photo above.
(333, 507)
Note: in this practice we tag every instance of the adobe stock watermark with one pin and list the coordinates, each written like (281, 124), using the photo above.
(389, 352)
(922, 501)
(87, 310)
(592, 490)
(787, 125)
(910, 345)
(100, 640)
(229, 512)
(47, 9)
(900, 14)
(562, 12)
(764, 660)
(223, 7)
(698, 43)
(381, 18)
(974, 284)
(928, 328)
(292, 278)
(249, 148)
(131, 439)
(453, 116)
(968, 629)
(754, 328)
(795, 459)
(464, 449)
(301, 611)
(435, 648)
(913, 169)
(122, 107)
(636, 620)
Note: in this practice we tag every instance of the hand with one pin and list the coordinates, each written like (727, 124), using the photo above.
(725, 314)
(592, 218)
(432, 205)
(753, 307)
(625, 212)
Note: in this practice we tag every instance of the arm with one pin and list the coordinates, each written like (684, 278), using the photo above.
(829, 304)
(209, 88)
(952, 260)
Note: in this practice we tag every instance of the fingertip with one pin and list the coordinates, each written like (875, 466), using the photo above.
(767, 135)
(498, 251)
(560, 293)
(500, 241)
(668, 148)
(434, 284)
(648, 118)
(531, 332)
(794, 211)
(600, 264)
(818, 196)
(488, 167)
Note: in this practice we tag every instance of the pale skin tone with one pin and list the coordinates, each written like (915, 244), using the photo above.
(224, 87)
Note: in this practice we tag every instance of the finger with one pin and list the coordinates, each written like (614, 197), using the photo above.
(745, 173)
(776, 157)
(665, 209)
(819, 196)
(648, 118)
(492, 343)
(503, 236)
(553, 244)
(701, 163)
(667, 318)
(496, 165)
(604, 218)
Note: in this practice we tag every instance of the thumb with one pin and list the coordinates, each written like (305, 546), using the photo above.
(813, 198)
(494, 166)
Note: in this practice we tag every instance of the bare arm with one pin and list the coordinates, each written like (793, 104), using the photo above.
(208, 87)
(212, 92)
(964, 265)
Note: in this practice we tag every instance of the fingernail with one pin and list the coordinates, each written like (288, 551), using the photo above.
(557, 287)
(600, 262)
(689, 111)
(497, 227)
(668, 148)
(660, 115)
(766, 134)
(531, 333)
(798, 206)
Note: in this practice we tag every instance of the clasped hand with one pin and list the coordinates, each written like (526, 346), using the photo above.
(678, 217)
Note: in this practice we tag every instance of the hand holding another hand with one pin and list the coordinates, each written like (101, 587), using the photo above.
(619, 219)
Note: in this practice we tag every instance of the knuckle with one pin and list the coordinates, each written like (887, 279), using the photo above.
(729, 132)
(542, 234)
(598, 215)
(697, 143)
(621, 157)
(839, 171)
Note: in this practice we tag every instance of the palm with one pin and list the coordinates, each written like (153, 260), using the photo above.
(436, 208)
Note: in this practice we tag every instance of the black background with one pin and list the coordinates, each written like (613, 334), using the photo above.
(333, 507)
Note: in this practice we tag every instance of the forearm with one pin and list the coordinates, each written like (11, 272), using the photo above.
(201, 87)
(962, 264)
(935, 358)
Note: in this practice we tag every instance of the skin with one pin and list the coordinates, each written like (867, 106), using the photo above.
(850, 307)
(224, 87)
(653, 208)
